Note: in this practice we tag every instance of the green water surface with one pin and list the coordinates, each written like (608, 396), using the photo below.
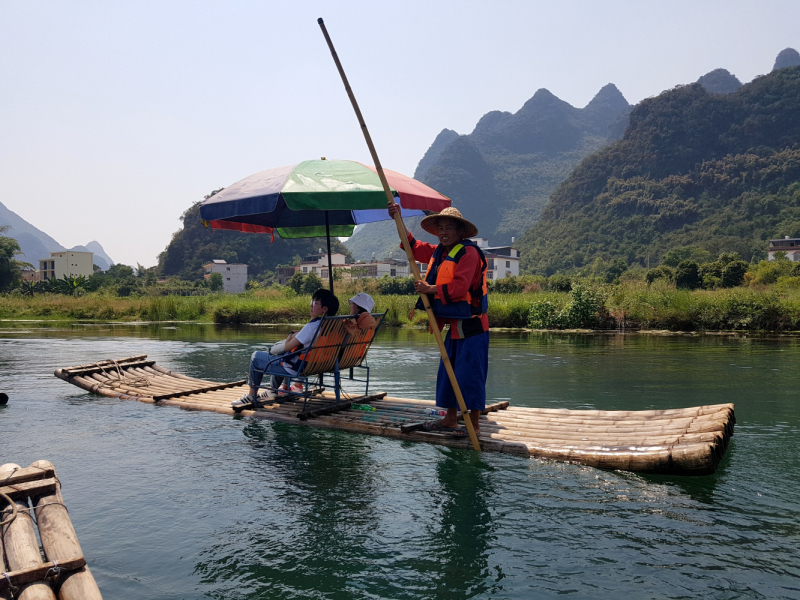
(171, 504)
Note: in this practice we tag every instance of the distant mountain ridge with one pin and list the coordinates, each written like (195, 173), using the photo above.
(720, 81)
(501, 175)
(36, 244)
(718, 171)
(788, 57)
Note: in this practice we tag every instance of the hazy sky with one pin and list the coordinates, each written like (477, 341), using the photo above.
(116, 116)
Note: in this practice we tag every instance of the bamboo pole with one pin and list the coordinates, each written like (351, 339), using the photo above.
(5, 594)
(401, 231)
(22, 548)
(60, 542)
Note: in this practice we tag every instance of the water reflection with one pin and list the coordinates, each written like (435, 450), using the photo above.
(314, 509)
(699, 489)
(459, 544)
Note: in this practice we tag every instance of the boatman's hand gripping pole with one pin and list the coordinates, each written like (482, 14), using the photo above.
(401, 231)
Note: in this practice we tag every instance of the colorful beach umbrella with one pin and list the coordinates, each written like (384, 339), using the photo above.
(316, 198)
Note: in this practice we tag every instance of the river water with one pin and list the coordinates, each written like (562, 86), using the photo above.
(170, 504)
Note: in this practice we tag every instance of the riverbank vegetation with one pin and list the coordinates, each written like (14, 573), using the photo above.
(768, 299)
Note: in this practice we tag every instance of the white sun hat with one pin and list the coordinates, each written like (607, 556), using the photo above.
(363, 300)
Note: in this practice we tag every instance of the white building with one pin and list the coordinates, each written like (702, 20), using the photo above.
(789, 246)
(318, 263)
(377, 269)
(66, 263)
(234, 275)
(503, 261)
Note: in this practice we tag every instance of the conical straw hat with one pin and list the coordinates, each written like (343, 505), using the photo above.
(431, 222)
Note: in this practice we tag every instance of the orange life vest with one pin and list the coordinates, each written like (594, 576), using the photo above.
(441, 271)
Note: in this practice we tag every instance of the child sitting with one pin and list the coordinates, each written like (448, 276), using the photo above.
(361, 306)
(323, 303)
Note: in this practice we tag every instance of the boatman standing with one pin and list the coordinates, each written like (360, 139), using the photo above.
(456, 286)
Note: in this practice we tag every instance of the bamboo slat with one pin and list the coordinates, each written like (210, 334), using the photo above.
(689, 440)
(60, 543)
(29, 488)
(17, 578)
(5, 593)
(22, 548)
(27, 474)
(28, 576)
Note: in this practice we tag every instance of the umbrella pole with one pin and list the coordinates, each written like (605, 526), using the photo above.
(328, 237)
(401, 231)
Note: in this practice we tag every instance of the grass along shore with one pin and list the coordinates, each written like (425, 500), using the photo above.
(628, 305)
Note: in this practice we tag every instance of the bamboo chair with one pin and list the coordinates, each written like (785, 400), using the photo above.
(331, 351)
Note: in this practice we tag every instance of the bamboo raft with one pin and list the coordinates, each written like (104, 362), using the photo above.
(683, 441)
(24, 573)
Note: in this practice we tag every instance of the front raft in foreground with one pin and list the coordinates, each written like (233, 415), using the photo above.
(683, 441)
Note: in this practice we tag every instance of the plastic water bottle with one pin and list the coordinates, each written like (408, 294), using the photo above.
(435, 412)
(362, 407)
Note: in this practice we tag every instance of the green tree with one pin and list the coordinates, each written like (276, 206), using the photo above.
(660, 272)
(687, 275)
(676, 255)
(296, 282)
(9, 268)
(780, 256)
(311, 283)
(119, 271)
(215, 282)
(617, 267)
(733, 273)
(710, 274)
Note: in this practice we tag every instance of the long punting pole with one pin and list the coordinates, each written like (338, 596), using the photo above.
(401, 231)
(328, 237)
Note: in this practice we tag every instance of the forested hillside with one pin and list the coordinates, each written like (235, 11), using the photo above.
(718, 171)
(194, 245)
(501, 175)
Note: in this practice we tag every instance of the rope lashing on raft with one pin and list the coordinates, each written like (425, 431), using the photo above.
(11, 503)
(14, 510)
(126, 379)
(14, 589)
(54, 571)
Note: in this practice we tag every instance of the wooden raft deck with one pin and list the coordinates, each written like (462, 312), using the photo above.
(683, 441)
(28, 571)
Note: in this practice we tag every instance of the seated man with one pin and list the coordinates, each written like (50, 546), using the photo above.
(323, 303)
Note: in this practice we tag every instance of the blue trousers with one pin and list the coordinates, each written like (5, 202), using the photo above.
(259, 362)
(470, 360)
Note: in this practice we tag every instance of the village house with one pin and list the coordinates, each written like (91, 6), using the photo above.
(234, 275)
(67, 263)
(787, 245)
(381, 268)
(318, 263)
(503, 261)
(284, 274)
(28, 274)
